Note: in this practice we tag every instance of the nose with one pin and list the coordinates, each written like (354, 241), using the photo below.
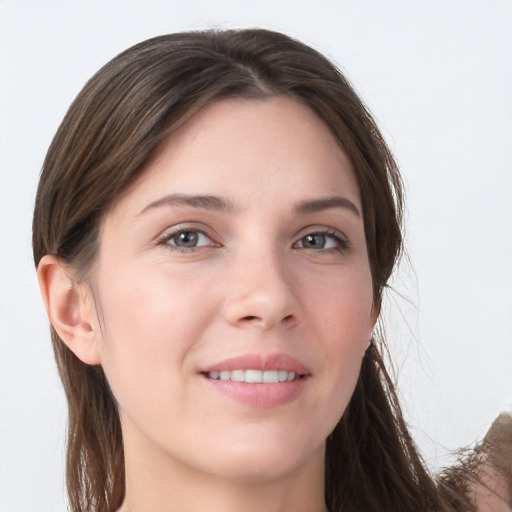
(261, 293)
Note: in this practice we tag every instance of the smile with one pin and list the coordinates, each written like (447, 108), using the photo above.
(254, 376)
(258, 379)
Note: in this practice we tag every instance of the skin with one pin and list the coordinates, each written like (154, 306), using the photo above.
(154, 315)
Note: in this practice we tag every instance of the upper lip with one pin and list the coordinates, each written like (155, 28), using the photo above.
(255, 361)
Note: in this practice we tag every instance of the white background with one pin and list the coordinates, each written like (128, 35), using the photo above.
(438, 77)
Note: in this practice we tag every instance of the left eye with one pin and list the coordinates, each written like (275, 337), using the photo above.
(188, 239)
(319, 241)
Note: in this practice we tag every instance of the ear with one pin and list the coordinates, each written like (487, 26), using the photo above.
(374, 316)
(70, 308)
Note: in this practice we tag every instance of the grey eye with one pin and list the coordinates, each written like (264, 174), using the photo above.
(313, 241)
(320, 241)
(189, 239)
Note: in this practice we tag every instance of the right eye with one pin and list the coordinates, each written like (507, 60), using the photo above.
(187, 239)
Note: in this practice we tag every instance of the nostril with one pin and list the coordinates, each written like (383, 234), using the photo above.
(265, 321)
(250, 318)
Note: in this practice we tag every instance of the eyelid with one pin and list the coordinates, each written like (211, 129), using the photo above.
(342, 240)
(169, 233)
(338, 235)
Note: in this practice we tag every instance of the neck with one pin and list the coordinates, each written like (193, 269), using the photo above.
(157, 482)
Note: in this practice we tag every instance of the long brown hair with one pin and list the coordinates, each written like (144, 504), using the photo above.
(110, 133)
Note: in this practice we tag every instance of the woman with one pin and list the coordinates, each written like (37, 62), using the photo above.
(216, 220)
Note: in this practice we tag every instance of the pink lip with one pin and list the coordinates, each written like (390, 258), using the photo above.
(262, 362)
(260, 394)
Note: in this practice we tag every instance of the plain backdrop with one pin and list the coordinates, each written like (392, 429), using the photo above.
(438, 77)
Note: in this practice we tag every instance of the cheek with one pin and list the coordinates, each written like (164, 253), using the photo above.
(150, 324)
(149, 305)
(344, 321)
(343, 306)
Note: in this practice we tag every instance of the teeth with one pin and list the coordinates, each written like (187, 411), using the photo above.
(237, 375)
(270, 377)
(282, 375)
(254, 376)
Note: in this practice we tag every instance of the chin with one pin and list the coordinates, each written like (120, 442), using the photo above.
(258, 471)
(260, 462)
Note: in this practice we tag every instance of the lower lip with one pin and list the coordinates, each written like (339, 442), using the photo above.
(259, 394)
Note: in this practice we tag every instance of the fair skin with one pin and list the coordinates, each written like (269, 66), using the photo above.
(240, 247)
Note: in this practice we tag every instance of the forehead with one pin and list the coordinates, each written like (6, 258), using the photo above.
(250, 146)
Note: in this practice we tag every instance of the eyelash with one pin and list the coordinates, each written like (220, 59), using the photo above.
(342, 244)
(168, 236)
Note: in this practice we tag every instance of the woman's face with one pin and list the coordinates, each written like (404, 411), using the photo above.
(239, 254)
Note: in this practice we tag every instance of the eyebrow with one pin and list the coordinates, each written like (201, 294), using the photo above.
(205, 202)
(218, 203)
(325, 203)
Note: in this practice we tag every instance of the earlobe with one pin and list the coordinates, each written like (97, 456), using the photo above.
(70, 309)
(374, 316)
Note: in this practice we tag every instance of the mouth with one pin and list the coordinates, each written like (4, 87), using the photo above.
(254, 376)
(257, 368)
(259, 380)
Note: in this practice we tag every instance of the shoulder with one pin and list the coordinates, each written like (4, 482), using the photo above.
(491, 488)
(491, 491)
(482, 479)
